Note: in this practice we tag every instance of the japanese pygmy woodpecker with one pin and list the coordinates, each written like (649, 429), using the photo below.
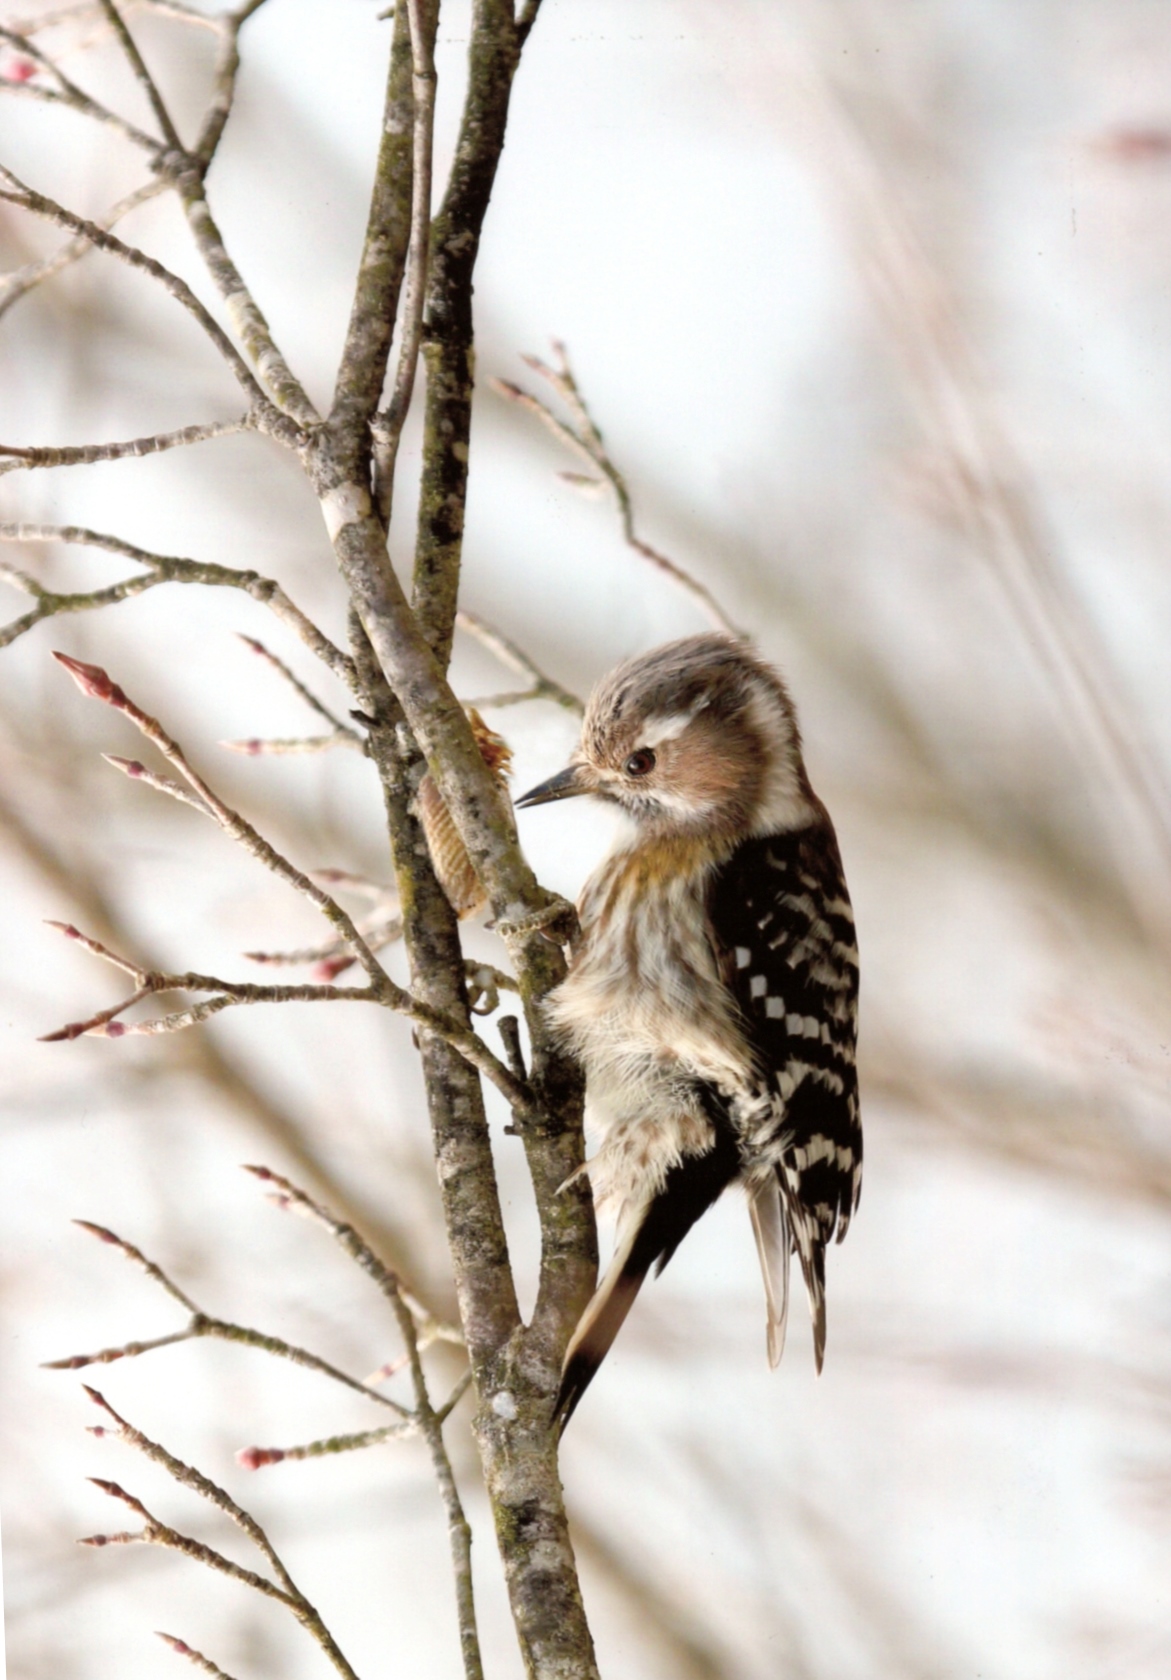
(712, 996)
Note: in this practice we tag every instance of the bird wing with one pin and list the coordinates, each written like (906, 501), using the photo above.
(783, 932)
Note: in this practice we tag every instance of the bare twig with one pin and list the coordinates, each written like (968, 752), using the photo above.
(388, 426)
(21, 281)
(172, 569)
(197, 1658)
(259, 1458)
(284, 746)
(141, 74)
(333, 955)
(139, 772)
(97, 685)
(27, 198)
(584, 439)
(337, 725)
(138, 1258)
(63, 866)
(288, 1196)
(458, 1528)
(430, 1423)
(526, 18)
(86, 454)
(515, 659)
(203, 1326)
(382, 990)
(50, 605)
(224, 74)
(155, 1533)
(186, 171)
(67, 92)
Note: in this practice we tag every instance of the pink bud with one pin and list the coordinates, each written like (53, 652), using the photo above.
(114, 1029)
(105, 1235)
(92, 680)
(255, 1458)
(21, 70)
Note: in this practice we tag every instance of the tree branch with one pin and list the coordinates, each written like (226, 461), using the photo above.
(21, 281)
(493, 55)
(172, 569)
(585, 440)
(428, 1420)
(423, 16)
(95, 683)
(157, 1533)
(86, 454)
(515, 659)
(141, 74)
(362, 369)
(29, 199)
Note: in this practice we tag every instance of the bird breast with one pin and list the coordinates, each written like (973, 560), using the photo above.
(643, 1006)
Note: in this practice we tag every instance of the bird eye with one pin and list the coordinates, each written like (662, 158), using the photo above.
(640, 763)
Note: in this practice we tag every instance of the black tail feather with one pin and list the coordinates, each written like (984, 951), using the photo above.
(652, 1235)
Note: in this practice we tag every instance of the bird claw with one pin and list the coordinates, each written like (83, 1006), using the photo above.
(555, 921)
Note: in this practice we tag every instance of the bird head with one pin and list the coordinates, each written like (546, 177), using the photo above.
(696, 736)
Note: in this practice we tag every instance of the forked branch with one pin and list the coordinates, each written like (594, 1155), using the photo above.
(581, 436)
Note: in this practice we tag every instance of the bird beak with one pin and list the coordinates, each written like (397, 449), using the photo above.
(565, 785)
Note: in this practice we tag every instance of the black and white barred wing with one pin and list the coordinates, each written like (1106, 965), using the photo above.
(784, 934)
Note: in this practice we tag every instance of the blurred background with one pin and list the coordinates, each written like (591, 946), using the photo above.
(872, 301)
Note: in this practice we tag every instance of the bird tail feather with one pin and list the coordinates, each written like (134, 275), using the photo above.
(770, 1227)
(809, 1242)
(603, 1318)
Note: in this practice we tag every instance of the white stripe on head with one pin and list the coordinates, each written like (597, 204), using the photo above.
(668, 726)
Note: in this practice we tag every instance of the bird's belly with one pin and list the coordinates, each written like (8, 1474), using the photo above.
(645, 1057)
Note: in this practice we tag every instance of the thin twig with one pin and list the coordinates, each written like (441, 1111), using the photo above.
(526, 19)
(203, 1326)
(172, 569)
(21, 281)
(49, 605)
(224, 75)
(388, 426)
(182, 1649)
(67, 92)
(284, 746)
(285, 1589)
(258, 1458)
(97, 685)
(29, 199)
(583, 438)
(149, 983)
(458, 1528)
(379, 931)
(515, 659)
(87, 453)
(141, 74)
(138, 772)
(430, 1423)
(337, 725)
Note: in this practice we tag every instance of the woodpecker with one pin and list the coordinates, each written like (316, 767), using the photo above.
(712, 995)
